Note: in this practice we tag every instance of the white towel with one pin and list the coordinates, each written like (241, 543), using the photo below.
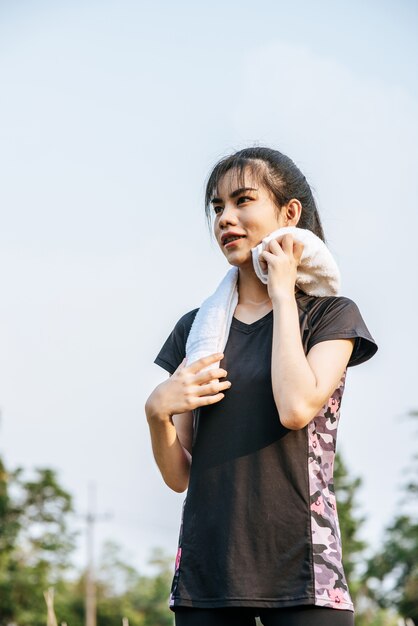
(317, 275)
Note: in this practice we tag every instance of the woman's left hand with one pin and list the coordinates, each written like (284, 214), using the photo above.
(282, 260)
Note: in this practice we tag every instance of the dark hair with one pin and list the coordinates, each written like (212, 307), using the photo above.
(277, 173)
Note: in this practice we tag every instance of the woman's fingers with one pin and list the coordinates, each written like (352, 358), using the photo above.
(212, 388)
(205, 377)
(287, 245)
(275, 247)
(266, 256)
(205, 400)
(298, 251)
(205, 361)
(189, 387)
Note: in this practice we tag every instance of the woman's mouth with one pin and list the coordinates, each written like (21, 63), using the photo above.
(232, 241)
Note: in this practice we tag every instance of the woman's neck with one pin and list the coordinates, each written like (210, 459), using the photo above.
(251, 291)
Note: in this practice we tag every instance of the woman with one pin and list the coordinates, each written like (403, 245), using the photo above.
(260, 532)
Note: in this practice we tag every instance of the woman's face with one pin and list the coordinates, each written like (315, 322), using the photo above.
(244, 215)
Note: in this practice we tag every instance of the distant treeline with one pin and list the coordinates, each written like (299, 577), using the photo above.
(37, 542)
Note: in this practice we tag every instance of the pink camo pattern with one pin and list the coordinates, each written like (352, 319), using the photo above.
(330, 584)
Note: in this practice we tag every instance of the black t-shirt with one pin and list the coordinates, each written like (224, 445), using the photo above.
(260, 527)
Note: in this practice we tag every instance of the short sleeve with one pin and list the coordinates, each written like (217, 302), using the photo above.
(174, 349)
(340, 318)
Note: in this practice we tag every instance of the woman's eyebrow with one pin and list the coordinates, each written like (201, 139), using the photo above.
(235, 193)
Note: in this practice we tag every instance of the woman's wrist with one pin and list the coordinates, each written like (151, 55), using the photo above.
(155, 412)
(280, 298)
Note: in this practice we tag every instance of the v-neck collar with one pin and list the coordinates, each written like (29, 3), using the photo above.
(248, 328)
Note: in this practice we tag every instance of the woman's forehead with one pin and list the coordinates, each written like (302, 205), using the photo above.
(235, 179)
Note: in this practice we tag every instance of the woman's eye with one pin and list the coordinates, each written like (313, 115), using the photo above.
(217, 209)
(244, 198)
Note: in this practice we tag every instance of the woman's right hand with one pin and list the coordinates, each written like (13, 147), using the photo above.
(188, 388)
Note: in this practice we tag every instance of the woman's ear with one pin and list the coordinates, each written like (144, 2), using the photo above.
(292, 212)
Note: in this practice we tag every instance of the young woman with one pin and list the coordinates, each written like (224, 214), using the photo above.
(260, 533)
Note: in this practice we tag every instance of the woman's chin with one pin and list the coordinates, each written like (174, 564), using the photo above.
(240, 260)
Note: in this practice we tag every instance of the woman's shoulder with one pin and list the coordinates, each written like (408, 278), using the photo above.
(182, 327)
(186, 320)
(336, 317)
(174, 349)
(319, 305)
(329, 310)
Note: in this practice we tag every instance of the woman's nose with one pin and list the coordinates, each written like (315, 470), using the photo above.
(229, 216)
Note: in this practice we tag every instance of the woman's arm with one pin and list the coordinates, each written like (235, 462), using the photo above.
(172, 458)
(301, 384)
(169, 414)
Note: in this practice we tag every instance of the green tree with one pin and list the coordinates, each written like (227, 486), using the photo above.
(392, 573)
(9, 530)
(121, 592)
(346, 489)
(35, 541)
(115, 580)
(152, 593)
(395, 568)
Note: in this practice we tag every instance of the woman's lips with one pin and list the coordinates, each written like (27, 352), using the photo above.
(229, 244)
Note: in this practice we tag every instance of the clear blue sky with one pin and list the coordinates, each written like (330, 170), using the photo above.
(112, 114)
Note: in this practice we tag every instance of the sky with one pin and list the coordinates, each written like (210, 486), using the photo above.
(112, 115)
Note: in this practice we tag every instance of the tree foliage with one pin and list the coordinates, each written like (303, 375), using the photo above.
(392, 573)
(36, 544)
(347, 489)
(368, 611)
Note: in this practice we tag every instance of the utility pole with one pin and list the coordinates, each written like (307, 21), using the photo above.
(91, 518)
